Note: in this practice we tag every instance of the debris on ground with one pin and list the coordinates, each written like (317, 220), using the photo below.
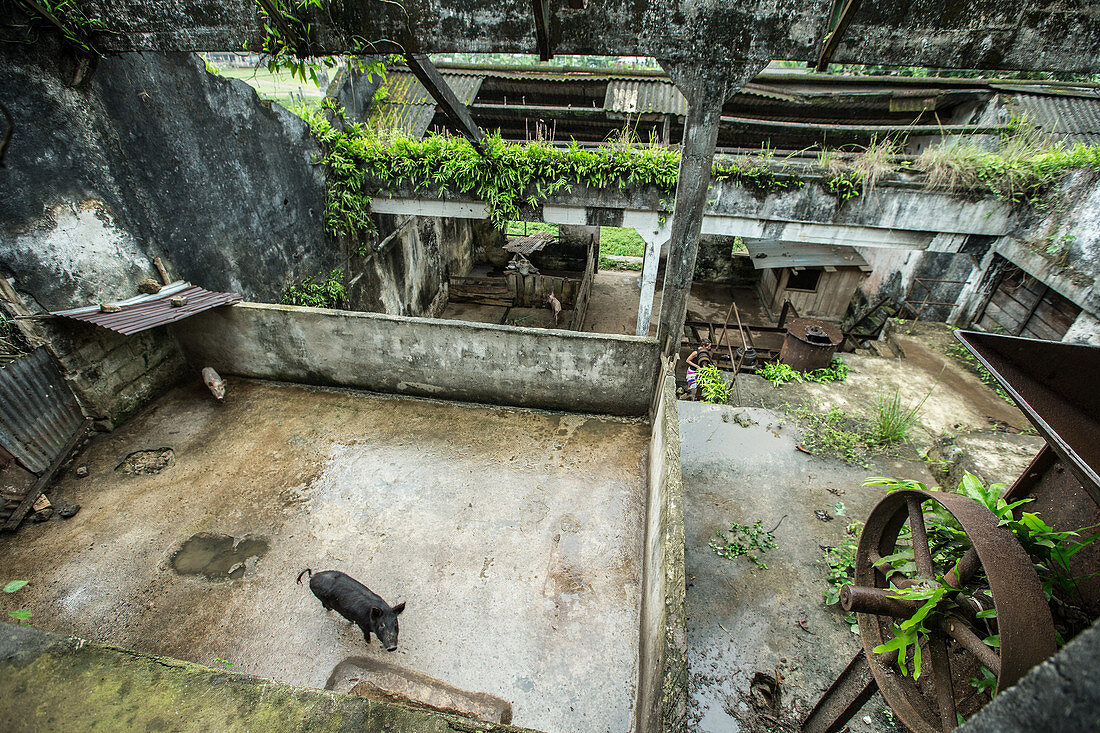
(764, 691)
(67, 510)
(147, 461)
(835, 492)
(81, 471)
(803, 621)
(41, 510)
(823, 515)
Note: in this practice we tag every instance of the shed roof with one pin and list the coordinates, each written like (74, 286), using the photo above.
(150, 310)
(1069, 117)
(768, 254)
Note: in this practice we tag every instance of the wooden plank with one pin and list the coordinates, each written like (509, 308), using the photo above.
(426, 73)
(47, 476)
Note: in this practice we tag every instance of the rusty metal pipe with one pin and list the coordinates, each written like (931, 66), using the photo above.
(875, 600)
(961, 632)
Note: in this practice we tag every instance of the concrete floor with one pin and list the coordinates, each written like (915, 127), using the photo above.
(514, 536)
(741, 465)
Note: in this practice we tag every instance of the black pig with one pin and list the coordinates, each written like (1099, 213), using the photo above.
(357, 603)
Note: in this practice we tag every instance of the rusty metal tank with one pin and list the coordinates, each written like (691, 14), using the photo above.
(809, 344)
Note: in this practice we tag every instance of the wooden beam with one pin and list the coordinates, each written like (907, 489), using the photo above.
(541, 9)
(422, 67)
(835, 34)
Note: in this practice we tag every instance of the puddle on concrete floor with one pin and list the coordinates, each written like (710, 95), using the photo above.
(147, 461)
(217, 556)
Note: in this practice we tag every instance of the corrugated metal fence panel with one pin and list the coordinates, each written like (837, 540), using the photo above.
(1074, 119)
(639, 96)
(38, 412)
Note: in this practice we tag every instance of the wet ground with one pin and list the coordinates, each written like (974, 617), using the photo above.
(514, 536)
(744, 623)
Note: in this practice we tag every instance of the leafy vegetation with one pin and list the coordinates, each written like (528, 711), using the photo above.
(22, 615)
(1051, 552)
(714, 389)
(318, 293)
(606, 263)
(621, 241)
(779, 374)
(746, 541)
(841, 561)
(69, 17)
(836, 434)
(892, 420)
(289, 40)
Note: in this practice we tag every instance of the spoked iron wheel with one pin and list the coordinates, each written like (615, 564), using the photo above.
(995, 573)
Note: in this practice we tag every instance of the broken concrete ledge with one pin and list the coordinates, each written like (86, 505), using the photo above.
(52, 682)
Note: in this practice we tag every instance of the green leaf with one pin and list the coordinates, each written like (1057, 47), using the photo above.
(987, 613)
(14, 585)
(22, 614)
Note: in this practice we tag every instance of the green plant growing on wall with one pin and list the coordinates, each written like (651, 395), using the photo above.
(317, 292)
(714, 389)
(69, 17)
(289, 40)
(744, 541)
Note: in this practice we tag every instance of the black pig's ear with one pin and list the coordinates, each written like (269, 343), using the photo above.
(375, 612)
(399, 607)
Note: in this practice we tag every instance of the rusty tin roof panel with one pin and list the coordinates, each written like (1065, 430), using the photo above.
(148, 311)
(38, 412)
(404, 88)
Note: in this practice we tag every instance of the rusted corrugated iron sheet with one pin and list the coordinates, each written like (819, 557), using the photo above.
(404, 88)
(1069, 118)
(529, 244)
(641, 96)
(413, 119)
(38, 412)
(148, 311)
(410, 108)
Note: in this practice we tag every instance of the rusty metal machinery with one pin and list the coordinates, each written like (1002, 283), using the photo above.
(995, 574)
(1049, 382)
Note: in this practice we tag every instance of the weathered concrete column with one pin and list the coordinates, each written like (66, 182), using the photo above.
(650, 264)
(706, 90)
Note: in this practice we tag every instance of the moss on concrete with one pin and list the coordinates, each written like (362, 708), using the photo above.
(49, 682)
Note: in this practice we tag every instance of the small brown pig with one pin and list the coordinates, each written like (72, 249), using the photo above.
(214, 383)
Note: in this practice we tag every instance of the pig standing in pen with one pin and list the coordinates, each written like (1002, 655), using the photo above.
(357, 603)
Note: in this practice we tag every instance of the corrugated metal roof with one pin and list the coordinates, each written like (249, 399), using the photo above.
(768, 254)
(530, 243)
(150, 310)
(38, 412)
(404, 88)
(640, 96)
(1071, 118)
(413, 119)
(410, 108)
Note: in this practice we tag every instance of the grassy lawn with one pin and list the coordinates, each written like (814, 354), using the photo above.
(524, 228)
(620, 241)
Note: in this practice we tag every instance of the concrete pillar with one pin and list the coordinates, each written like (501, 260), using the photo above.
(649, 282)
(706, 90)
(1084, 330)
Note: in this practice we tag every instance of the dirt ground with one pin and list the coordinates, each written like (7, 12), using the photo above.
(515, 537)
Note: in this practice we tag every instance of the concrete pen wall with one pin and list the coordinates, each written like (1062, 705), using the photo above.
(522, 367)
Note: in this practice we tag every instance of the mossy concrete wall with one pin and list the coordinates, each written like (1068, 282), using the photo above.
(662, 657)
(501, 365)
(51, 682)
